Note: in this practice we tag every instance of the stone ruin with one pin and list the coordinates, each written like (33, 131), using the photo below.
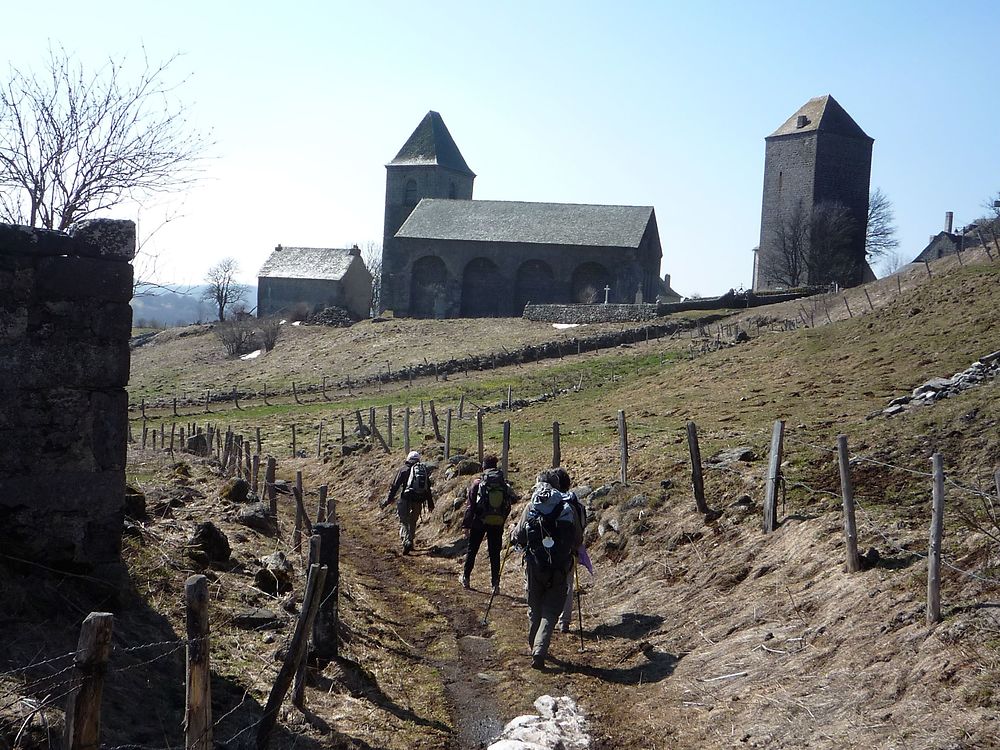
(65, 322)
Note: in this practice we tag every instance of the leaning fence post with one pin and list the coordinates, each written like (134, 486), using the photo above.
(556, 448)
(505, 450)
(847, 491)
(447, 434)
(310, 601)
(623, 446)
(299, 683)
(83, 709)
(934, 550)
(324, 634)
(197, 682)
(434, 422)
(773, 477)
(406, 430)
(697, 480)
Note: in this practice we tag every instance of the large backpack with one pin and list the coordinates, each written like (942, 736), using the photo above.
(418, 484)
(549, 539)
(493, 499)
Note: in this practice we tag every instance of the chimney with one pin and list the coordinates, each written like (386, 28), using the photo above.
(949, 219)
(355, 250)
(801, 121)
(666, 280)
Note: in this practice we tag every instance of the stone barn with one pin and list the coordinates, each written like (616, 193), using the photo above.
(820, 155)
(314, 278)
(446, 255)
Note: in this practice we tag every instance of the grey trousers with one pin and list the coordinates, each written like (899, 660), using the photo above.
(409, 514)
(566, 617)
(546, 598)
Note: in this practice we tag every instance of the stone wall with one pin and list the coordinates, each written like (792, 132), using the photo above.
(65, 323)
(589, 313)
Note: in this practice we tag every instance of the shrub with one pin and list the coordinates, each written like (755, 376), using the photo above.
(236, 335)
(270, 330)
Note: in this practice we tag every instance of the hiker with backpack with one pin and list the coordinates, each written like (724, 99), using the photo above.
(549, 532)
(489, 500)
(563, 484)
(413, 483)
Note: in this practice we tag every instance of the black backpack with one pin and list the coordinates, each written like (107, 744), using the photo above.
(418, 485)
(549, 539)
(493, 498)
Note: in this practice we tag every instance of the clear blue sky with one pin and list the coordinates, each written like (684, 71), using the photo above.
(646, 103)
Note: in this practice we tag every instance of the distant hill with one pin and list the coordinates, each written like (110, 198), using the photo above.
(175, 308)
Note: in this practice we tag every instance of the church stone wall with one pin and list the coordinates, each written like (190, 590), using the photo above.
(65, 323)
(581, 314)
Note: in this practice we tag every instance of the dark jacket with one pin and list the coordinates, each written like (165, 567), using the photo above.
(545, 499)
(399, 484)
(470, 520)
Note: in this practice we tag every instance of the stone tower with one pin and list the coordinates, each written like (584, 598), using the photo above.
(819, 156)
(429, 165)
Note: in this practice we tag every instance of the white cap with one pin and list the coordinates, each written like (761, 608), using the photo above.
(412, 456)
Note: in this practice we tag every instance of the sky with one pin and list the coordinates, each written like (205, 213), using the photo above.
(637, 103)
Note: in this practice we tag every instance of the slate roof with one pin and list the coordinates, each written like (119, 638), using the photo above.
(329, 263)
(431, 145)
(517, 221)
(822, 114)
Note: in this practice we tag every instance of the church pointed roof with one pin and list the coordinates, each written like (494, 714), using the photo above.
(822, 114)
(431, 145)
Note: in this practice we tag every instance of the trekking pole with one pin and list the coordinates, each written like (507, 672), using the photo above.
(579, 607)
(503, 562)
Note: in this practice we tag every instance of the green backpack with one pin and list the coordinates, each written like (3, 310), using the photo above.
(493, 500)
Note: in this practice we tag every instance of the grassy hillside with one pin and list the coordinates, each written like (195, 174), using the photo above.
(697, 634)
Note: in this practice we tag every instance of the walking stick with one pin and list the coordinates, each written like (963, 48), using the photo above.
(579, 607)
(503, 562)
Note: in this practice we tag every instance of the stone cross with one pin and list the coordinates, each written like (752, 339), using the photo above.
(606, 290)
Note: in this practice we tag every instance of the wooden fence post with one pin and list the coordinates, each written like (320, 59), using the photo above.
(272, 495)
(479, 434)
(434, 422)
(406, 430)
(505, 450)
(294, 452)
(774, 477)
(510, 394)
(325, 631)
(461, 406)
(299, 683)
(255, 473)
(296, 648)
(321, 504)
(83, 709)
(388, 426)
(198, 679)
(868, 297)
(623, 446)
(697, 479)
(319, 440)
(556, 448)
(297, 533)
(934, 550)
(847, 492)
(447, 434)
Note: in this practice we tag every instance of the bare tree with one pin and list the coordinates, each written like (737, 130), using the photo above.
(792, 245)
(880, 234)
(74, 142)
(223, 289)
(813, 246)
(371, 254)
(890, 262)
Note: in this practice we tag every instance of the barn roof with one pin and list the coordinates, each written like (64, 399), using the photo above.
(329, 263)
(517, 221)
(822, 114)
(431, 145)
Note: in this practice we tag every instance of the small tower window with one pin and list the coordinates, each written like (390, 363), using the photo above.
(780, 176)
(410, 193)
(452, 193)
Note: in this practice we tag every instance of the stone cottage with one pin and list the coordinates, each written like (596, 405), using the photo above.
(446, 255)
(314, 278)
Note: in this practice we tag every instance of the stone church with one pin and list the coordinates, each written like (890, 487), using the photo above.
(446, 255)
(819, 155)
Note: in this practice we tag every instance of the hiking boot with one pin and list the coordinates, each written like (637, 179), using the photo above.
(564, 628)
(407, 547)
(464, 580)
(537, 661)
(496, 589)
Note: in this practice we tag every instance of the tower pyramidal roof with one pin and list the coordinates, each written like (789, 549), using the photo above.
(822, 114)
(431, 145)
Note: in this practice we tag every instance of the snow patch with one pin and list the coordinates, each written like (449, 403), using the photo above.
(561, 326)
(252, 355)
(297, 323)
(560, 724)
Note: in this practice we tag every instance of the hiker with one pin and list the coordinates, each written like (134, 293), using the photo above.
(489, 499)
(549, 532)
(564, 482)
(413, 482)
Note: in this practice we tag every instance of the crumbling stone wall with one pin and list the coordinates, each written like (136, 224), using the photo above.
(65, 322)
(590, 313)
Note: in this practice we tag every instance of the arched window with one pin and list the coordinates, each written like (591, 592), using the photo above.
(452, 193)
(410, 193)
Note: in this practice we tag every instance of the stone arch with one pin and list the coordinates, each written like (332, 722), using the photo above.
(589, 280)
(535, 283)
(428, 288)
(483, 293)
